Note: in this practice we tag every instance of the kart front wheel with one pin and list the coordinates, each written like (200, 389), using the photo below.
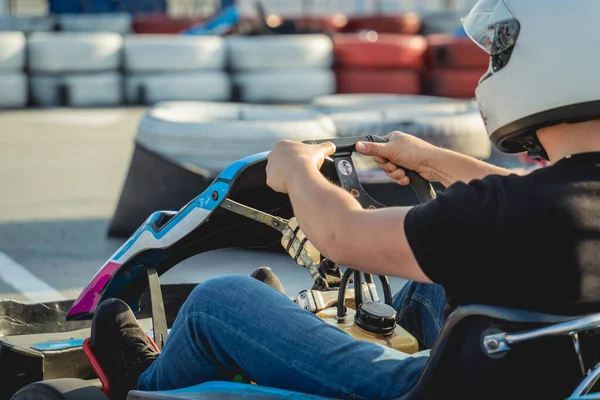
(60, 389)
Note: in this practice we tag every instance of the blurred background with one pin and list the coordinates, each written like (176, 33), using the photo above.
(113, 109)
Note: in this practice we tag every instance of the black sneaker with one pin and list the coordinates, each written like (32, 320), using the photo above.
(265, 275)
(120, 346)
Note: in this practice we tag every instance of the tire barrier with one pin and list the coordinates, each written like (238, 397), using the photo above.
(12, 51)
(280, 51)
(281, 68)
(13, 89)
(253, 69)
(455, 65)
(27, 24)
(13, 81)
(378, 81)
(283, 86)
(339, 103)
(379, 51)
(408, 24)
(188, 68)
(445, 51)
(114, 22)
(326, 24)
(151, 88)
(177, 53)
(162, 24)
(443, 22)
(379, 63)
(457, 83)
(77, 90)
(79, 52)
(448, 123)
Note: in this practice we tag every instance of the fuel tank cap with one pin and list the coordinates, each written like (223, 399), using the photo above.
(376, 317)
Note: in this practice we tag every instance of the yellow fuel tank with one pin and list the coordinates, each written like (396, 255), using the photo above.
(398, 338)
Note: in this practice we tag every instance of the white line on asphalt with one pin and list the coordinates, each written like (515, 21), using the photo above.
(29, 285)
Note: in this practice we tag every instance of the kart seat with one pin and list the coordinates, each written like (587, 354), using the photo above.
(483, 352)
(489, 352)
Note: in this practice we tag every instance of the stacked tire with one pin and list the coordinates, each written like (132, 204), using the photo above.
(281, 68)
(85, 74)
(175, 68)
(402, 23)
(455, 65)
(13, 80)
(445, 122)
(182, 146)
(27, 24)
(111, 22)
(442, 22)
(159, 24)
(379, 63)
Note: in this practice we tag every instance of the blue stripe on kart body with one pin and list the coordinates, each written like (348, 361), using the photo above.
(202, 201)
(235, 390)
(57, 345)
(230, 172)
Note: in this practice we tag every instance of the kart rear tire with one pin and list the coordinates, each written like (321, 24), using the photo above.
(60, 389)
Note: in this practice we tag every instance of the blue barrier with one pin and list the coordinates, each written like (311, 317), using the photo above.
(107, 6)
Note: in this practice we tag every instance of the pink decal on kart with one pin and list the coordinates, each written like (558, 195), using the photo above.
(89, 298)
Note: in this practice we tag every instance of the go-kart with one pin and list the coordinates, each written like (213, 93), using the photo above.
(483, 351)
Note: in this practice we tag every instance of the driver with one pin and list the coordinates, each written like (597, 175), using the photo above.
(528, 241)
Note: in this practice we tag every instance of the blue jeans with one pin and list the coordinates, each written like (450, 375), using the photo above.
(238, 325)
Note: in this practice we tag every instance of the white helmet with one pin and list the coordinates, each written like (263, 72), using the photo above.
(544, 67)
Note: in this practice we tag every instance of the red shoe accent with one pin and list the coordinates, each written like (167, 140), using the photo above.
(89, 354)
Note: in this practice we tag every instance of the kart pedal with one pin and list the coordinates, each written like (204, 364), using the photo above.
(89, 354)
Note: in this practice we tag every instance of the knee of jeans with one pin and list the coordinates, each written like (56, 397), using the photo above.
(225, 289)
(402, 298)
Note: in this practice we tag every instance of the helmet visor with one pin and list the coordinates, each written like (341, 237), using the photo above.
(491, 26)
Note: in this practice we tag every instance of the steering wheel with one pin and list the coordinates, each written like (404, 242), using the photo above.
(348, 179)
(348, 176)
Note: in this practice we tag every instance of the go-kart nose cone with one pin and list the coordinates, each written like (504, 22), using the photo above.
(376, 317)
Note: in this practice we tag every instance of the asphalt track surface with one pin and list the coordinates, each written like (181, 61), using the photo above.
(61, 173)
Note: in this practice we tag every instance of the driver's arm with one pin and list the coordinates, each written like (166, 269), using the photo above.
(369, 240)
(448, 167)
(433, 163)
(429, 242)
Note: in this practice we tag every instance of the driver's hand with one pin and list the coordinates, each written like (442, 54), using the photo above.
(401, 151)
(290, 160)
